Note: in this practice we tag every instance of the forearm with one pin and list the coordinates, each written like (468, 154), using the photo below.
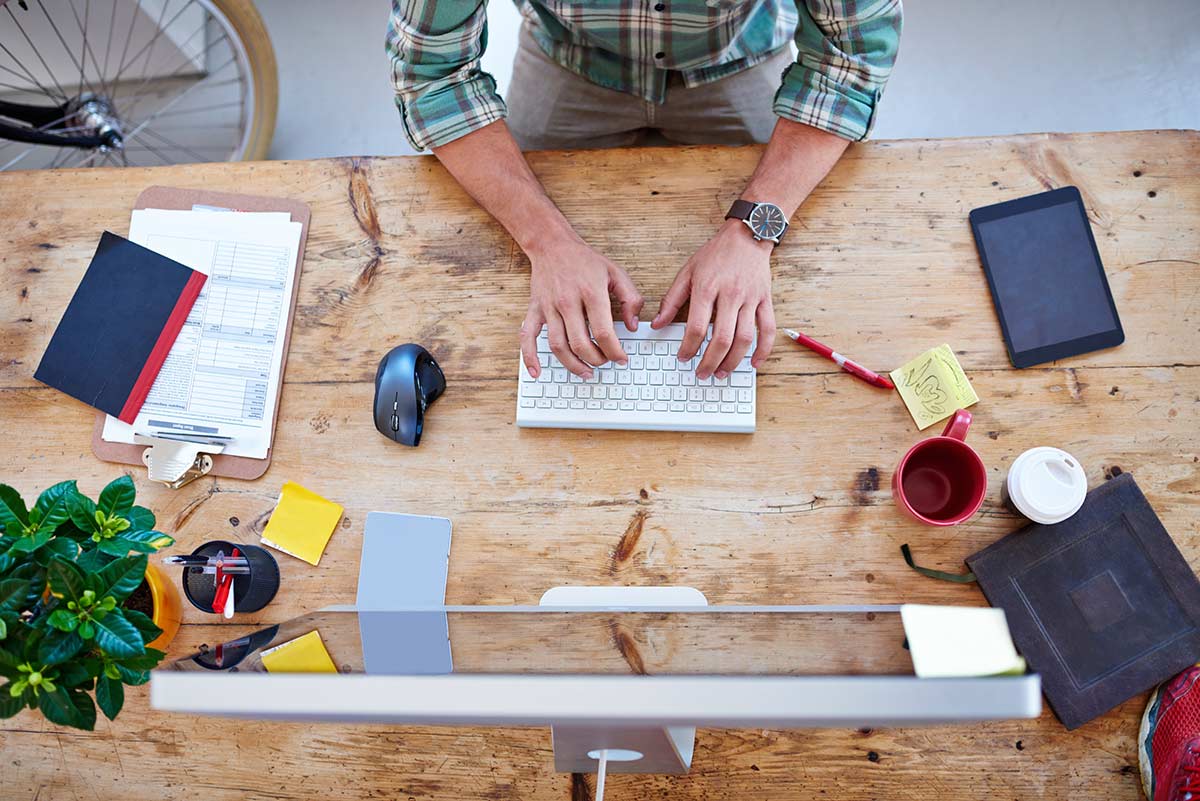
(797, 158)
(489, 165)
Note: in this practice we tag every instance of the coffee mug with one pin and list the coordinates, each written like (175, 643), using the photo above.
(941, 480)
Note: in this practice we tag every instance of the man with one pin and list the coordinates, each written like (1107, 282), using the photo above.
(601, 73)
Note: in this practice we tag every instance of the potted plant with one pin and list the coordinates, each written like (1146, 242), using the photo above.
(78, 605)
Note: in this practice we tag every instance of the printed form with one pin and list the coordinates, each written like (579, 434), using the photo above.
(222, 375)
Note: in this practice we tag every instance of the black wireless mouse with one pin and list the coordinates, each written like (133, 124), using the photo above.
(407, 381)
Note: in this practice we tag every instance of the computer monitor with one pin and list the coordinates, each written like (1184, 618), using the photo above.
(628, 681)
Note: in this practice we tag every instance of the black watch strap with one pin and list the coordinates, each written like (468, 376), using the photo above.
(740, 210)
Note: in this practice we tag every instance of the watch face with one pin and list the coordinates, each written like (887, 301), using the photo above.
(767, 221)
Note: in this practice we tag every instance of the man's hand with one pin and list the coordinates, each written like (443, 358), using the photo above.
(731, 276)
(569, 292)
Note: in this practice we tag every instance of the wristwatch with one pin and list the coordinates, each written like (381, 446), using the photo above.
(765, 220)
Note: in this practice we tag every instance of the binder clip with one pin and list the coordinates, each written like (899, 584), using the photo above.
(178, 462)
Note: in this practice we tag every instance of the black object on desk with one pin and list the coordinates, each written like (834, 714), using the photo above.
(250, 592)
(1046, 277)
(1102, 605)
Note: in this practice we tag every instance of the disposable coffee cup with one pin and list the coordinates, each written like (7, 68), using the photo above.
(1046, 485)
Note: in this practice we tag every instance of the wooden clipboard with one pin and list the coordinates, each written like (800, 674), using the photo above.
(164, 197)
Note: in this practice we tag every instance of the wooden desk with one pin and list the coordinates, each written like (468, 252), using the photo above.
(881, 262)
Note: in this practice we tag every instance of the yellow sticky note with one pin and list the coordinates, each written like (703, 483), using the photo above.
(933, 386)
(305, 654)
(302, 523)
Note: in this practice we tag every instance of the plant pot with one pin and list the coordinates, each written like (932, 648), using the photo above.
(168, 609)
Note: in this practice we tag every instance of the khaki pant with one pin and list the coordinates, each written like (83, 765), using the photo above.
(552, 108)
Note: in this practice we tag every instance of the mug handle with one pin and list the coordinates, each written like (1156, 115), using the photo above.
(958, 425)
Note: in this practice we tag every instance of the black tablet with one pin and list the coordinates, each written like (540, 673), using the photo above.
(1046, 278)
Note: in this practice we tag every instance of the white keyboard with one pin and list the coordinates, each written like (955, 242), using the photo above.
(654, 391)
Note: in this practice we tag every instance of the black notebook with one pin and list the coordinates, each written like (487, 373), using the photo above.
(1102, 605)
(119, 327)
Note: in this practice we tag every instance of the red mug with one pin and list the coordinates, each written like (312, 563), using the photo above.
(941, 480)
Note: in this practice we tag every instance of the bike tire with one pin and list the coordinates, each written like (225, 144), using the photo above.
(248, 22)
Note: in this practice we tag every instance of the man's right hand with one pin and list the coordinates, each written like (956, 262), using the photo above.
(569, 293)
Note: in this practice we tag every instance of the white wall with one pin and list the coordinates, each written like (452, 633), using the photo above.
(966, 67)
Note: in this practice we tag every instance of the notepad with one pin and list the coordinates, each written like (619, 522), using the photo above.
(959, 641)
(302, 523)
(305, 654)
(933, 386)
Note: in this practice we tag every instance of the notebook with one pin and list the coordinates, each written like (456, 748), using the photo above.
(1102, 605)
(119, 327)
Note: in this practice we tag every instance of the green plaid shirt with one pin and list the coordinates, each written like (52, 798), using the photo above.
(846, 50)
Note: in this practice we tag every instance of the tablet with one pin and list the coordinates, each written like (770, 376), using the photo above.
(1046, 278)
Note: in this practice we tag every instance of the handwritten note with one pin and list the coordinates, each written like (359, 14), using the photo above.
(933, 386)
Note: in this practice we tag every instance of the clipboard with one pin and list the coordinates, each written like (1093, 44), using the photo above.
(164, 197)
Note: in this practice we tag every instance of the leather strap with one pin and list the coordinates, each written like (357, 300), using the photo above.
(740, 210)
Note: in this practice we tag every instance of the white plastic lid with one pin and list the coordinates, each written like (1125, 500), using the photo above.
(1047, 485)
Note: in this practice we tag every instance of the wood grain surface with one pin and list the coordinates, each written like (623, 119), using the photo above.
(880, 264)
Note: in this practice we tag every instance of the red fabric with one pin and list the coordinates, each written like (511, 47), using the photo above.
(1175, 742)
(158, 355)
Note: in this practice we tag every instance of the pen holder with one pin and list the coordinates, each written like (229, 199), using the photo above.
(251, 591)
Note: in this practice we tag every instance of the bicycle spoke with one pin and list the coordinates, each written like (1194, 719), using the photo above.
(158, 34)
(85, 49)
(19, 63)
(18, 158)
(133, 16)
(112, 25)
(66, 47)
(184, 94)
(129, 110)
(172, 144)
(151, 148)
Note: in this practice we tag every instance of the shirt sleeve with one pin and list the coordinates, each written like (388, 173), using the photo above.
(846, 51)
(435, 47)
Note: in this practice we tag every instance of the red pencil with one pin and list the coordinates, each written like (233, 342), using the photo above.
(853, 368)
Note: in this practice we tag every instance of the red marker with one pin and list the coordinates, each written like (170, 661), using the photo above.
(853, 368)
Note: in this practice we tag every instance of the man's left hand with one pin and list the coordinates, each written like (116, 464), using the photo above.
(731, 276)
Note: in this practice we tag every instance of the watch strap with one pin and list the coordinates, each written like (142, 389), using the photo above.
(740, 210)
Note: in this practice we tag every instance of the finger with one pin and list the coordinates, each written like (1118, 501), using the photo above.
(743, 336)
(600, 320)
(562, 348)
(630, 299)
(697, 326)
(578, 338)
(766, 333)
(529, 334)
(673, 301)
(721, 340)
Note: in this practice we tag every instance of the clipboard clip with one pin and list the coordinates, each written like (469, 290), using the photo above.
(178, 461)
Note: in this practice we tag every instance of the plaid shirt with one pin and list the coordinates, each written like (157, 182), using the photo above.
(846, 50)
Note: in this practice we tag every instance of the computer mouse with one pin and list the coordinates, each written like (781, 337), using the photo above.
(407, 381)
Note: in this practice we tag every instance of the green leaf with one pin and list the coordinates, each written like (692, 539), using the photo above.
(117, 637)
(92, 560)
(12, 508)
(9, 662)
(54, 505)
(146, 661)
(72, 674)
(131, 676)
(140, 518)
(117, 497)
(58, 546)
(83, 512)
(87, 630)
(32, 542)
(110, 695)
(122, 577)
(66, 580)
(64, 620)
(59, 646)
(16, 594)
(144, 625)
(155, 539)
(9, 705)
(58, 708)
(3, 629)
(118, 546)
(86, 708)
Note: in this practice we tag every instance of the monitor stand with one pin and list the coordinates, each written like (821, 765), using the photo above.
(623, 749)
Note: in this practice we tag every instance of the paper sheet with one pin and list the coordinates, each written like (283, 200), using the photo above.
(222, 375)
(959, 641)
(306, 654)
(933, 386)
(302, 523)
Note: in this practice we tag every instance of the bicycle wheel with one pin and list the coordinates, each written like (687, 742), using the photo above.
(87, 83)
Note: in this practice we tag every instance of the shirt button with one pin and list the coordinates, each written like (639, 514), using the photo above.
(660, 54)
(659, 7)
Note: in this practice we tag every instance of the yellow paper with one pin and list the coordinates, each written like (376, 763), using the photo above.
(302, 523)
(933, 386)
(305, 654)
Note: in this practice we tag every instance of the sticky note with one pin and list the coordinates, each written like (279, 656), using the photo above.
(933, 386)
(305, 654)
(959, 641)
(302, 523)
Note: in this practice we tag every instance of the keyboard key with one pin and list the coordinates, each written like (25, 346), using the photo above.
(554, 362)
(543, 360)
(531, 390)
(728, 395)
(577, 404)
(637, 363)
(611, 405)
(742, 379)
(744, 396)
(645, 347)
(688, 379)
(624, 377)
(728, 408)
(712, 394)
(583, 392)
(608, 377)
(560, 403)
(676, 406)
(744, 408)
(628, 406)
(567, 391)
(663, 393)
(593, 405)
(705, 382)
(672, 379)
(640, 378)
(560, 376)
(656, 378)
(527, 402)
(661, 348)
(712, 408)
(695, 394)
(653, 363)
(695, 407)
(632, 393)
(643, 406)
(543, 403)
(721, 382)
(659, 406)
(551, 390)
(575, 379)
(647, 393)
(545, 378)
(679, 394)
